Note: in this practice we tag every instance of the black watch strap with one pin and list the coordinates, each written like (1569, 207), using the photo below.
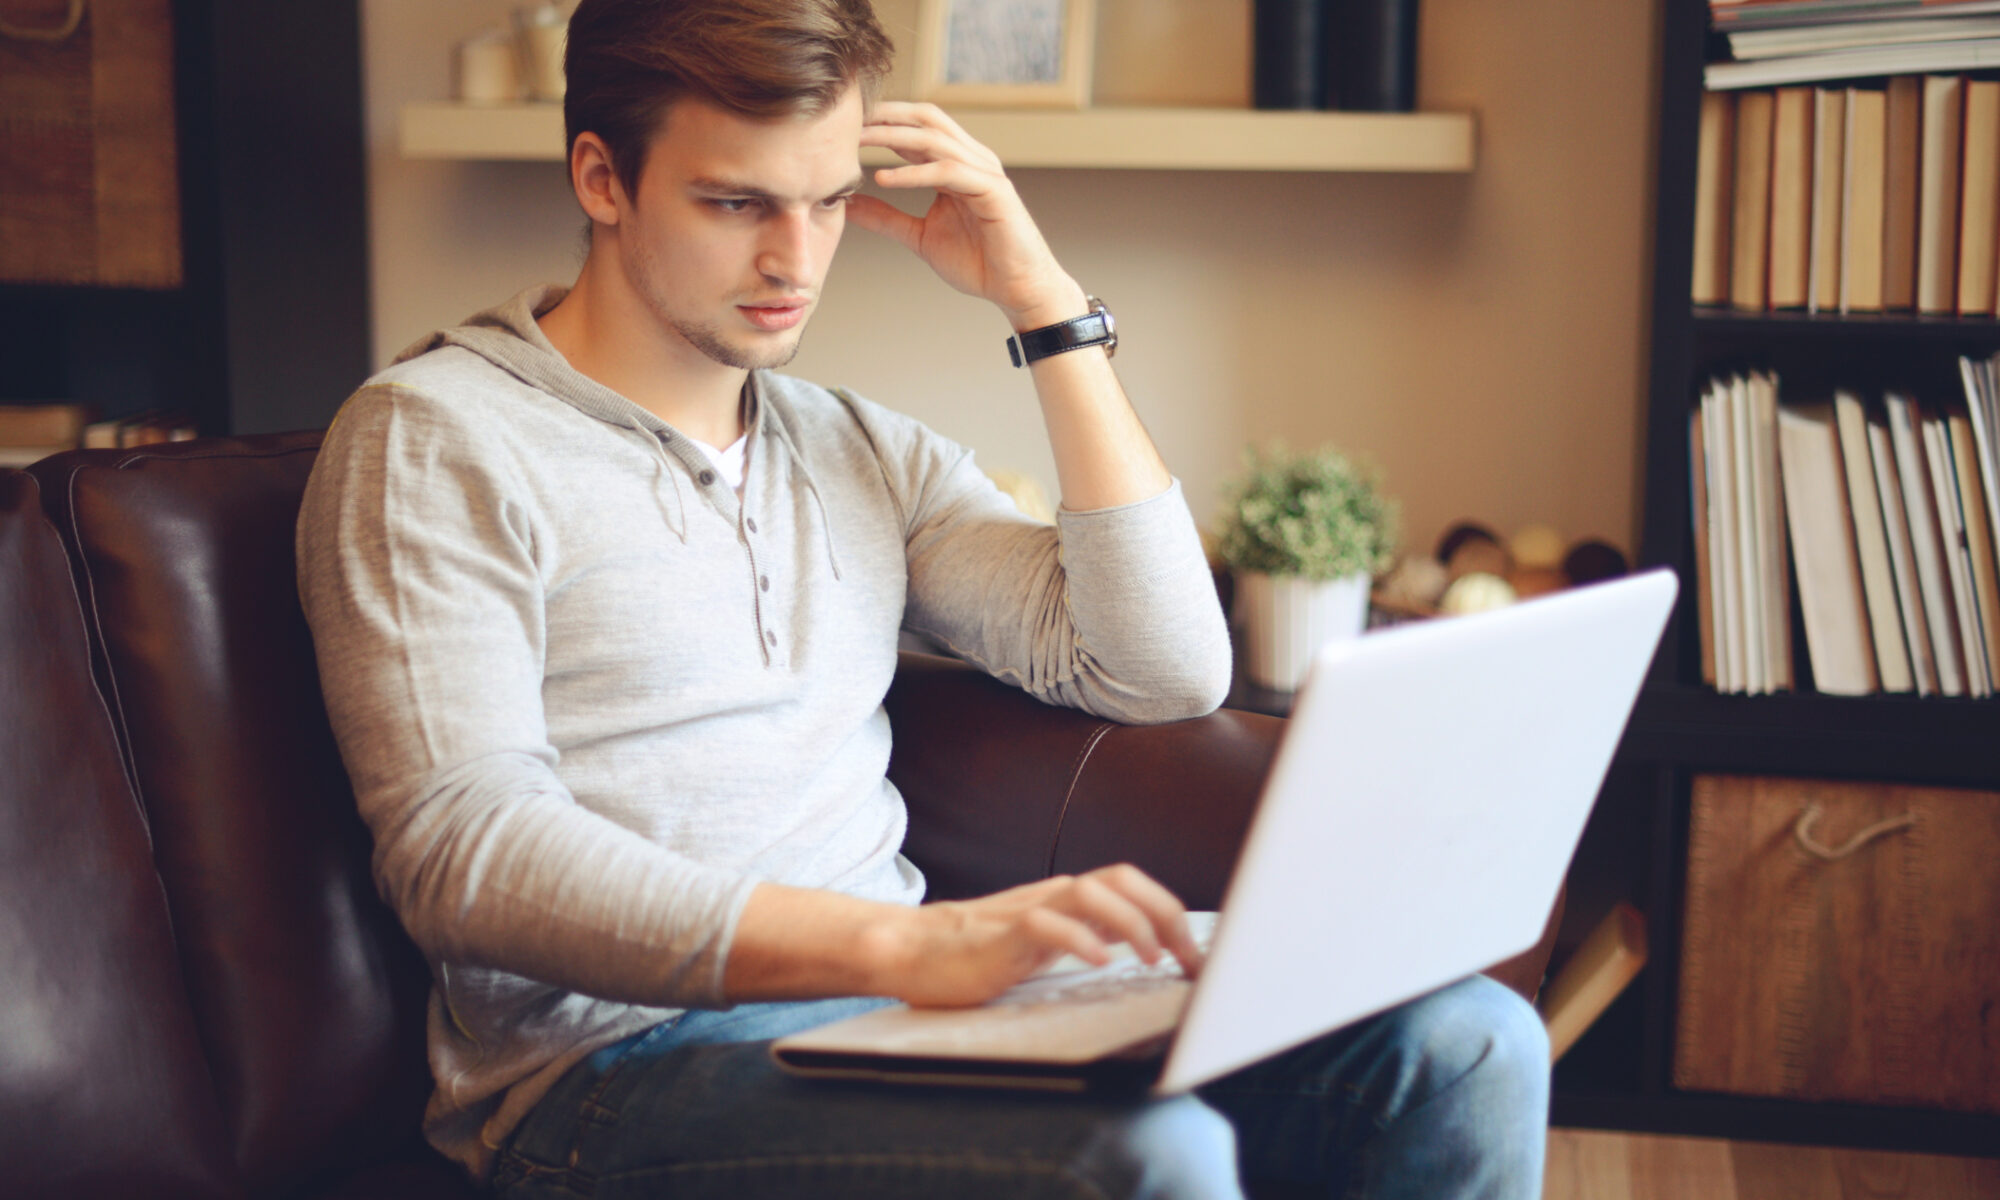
(1094, 328)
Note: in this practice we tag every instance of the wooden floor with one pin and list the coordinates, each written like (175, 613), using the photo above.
(1589, 1165)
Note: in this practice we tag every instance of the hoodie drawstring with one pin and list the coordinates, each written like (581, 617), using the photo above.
(675, 514)
(783, 438)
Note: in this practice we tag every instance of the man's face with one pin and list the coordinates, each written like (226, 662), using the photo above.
(735, 223)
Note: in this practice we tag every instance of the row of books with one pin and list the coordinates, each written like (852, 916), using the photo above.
(1803, 41)
(1890, 511)
(32, 432)
(1855, 199)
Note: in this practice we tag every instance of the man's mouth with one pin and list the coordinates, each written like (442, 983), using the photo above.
(775, 317)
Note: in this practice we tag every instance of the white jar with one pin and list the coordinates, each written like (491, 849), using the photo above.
(1286, 619)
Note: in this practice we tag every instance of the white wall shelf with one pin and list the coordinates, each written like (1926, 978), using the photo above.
(1170, 139)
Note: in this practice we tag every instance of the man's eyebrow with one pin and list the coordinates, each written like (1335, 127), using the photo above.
(748, 191)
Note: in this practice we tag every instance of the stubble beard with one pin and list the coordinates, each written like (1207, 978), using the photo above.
(708, 339)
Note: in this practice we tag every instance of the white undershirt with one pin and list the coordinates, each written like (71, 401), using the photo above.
(728, 463)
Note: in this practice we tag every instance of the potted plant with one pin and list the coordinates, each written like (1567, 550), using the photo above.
(1303, 533)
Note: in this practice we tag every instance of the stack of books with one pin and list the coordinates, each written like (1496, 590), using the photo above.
(1890, 507)
(1867, 198)
(32, 432)
(1801, 41)
(1744, 594)
(140, 429)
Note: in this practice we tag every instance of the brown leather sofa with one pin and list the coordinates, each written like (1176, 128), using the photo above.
(201, 994)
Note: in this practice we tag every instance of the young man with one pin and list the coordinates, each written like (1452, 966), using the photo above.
(605, 612)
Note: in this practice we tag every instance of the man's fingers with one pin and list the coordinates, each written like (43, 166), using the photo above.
(879, 216)
(1110, 911)
(915, 143)
(930, 116)
(944, 175)
(1162, 908)
(1058, 932)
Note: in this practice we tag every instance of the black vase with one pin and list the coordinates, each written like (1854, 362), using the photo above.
(1289, 54)
(1371, 55)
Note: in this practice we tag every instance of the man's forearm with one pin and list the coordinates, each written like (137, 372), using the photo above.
(1104, 457)
(798, 943)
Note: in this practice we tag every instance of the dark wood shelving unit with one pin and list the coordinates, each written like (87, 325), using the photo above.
(1619, 1075)
(1878, 328)
(269, 330)
(1935, 741)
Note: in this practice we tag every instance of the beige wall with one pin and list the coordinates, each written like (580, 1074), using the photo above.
(1480, 337)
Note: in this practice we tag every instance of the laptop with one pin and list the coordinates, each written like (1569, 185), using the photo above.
(1415, 828)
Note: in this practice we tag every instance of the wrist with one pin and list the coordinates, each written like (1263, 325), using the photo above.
(1058, 302)
(885, 948)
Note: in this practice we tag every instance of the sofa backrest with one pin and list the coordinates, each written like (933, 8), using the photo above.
(307, 998)
(103, 1088)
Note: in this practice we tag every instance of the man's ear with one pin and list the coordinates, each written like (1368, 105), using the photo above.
(596, 184)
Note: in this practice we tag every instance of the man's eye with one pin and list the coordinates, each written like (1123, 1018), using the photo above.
(732, 205)
(836, 202)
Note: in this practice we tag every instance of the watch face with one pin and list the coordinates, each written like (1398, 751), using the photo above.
(1110, 325)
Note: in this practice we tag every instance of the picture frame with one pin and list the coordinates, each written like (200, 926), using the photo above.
(1005, 53)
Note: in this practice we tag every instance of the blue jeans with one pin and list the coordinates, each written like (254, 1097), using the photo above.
(1446, 1096)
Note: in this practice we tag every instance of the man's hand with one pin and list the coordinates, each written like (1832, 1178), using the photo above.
(967, 952)
(793, 943)
(977, 235)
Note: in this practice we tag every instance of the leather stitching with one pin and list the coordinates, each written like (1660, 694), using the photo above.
(101, 649)
(86, 616)
(73, 548)
(1075, 774)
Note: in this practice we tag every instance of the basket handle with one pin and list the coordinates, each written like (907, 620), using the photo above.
(1810, 815)
(54, 33)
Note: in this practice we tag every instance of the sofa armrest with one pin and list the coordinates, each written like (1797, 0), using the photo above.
(1003, 789)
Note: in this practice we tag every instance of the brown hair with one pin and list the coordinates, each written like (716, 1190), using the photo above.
(627, 60)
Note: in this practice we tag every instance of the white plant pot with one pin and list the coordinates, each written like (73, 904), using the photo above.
(1286, 618)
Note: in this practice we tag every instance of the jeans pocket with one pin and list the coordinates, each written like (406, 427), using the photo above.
(601, 1104)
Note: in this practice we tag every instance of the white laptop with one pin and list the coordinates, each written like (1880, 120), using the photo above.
(1417, 823)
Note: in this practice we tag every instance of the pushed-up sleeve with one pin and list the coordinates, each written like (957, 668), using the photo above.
(418, 575)
(1112, 611)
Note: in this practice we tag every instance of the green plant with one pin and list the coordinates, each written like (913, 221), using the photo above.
(1312, 514)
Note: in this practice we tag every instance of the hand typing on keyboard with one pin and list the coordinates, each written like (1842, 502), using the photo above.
(1114, 979)
(1072, 978)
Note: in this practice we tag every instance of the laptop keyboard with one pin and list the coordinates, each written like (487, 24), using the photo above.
(1110, 982)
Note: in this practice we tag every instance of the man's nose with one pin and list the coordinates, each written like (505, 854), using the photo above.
(786, 254)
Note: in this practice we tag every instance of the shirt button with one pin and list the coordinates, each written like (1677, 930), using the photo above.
(771, 638)
(751, 523)
(706, 478)
(764, 582)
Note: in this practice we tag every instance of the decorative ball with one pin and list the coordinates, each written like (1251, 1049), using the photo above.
(1594, 562)
(1537, 547)
(1468, 549)
(1415, 584)
(1459, 534)
(1477, 592)
(1536, 581)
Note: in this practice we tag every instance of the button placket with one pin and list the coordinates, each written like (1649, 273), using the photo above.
(760, 585)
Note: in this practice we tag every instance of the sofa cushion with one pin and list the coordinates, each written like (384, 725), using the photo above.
(103, 1092)
(308, 997)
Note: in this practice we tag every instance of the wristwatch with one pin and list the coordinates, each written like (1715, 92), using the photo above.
(1094, 328)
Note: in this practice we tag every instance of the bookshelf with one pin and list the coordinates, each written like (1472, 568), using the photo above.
(1620, 1074)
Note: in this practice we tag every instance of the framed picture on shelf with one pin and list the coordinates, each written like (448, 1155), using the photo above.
(1005, 53)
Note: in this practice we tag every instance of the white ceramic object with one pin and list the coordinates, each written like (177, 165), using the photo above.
(1286, 618)
(543, 32)
(489, 68)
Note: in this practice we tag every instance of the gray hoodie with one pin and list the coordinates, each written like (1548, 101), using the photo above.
(588, 697)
